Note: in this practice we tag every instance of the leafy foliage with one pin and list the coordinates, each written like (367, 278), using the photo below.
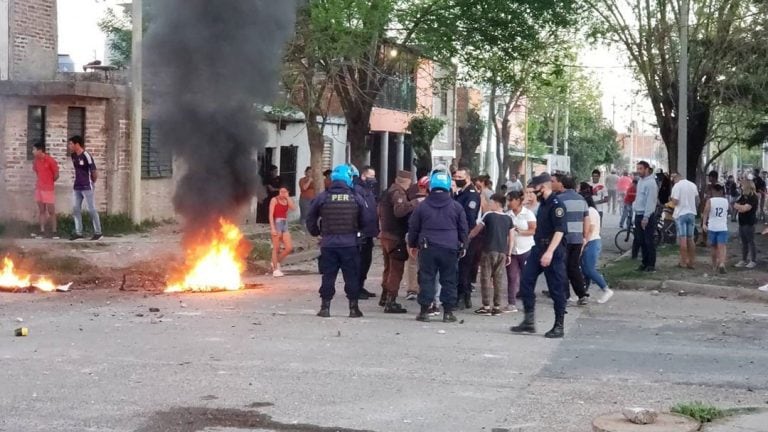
(470, 137)
(700, 411)
(423, 131)
(118, 29)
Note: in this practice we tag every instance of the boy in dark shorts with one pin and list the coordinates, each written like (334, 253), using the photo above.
(496, 254)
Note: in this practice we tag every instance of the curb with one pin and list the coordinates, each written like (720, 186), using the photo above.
(703, 290)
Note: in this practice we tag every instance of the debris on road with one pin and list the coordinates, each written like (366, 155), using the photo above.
(22, 331)
(154, 309)
(19, 319)
(642, 416)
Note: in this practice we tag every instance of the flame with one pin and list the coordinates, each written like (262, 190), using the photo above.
(12, 279)
(214, 262)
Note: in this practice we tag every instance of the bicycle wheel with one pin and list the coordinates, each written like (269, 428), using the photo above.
(658, 236)
(623, 240)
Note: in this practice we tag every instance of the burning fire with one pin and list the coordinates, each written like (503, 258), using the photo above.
(214, 261)
(12, 279)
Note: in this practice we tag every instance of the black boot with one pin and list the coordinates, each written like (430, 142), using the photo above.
(365, 294)
(423, 316)
(558, 330)
(383, 298)
(468, 300)
(393, 307)
(354, 311)
(448, 316)
(325, 309)
(527, 326)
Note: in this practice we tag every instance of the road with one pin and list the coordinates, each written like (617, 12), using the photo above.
(260, 360)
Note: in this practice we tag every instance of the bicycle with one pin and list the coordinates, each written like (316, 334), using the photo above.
(625, 237)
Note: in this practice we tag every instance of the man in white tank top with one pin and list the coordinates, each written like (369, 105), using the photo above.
(715, 223)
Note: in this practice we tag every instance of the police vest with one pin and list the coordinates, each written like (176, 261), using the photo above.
(339, 214)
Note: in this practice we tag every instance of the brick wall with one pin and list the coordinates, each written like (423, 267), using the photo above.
(16, 171)
(33, 40)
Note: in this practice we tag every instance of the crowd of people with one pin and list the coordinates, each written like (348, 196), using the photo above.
(447, 231)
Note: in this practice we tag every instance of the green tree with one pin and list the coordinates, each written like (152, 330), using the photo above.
(423, 131)
(470, 138)
(118, 28)
(728, 45)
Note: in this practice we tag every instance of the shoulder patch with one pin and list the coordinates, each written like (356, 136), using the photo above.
(399, 200)
(472, 205)
(559, 212)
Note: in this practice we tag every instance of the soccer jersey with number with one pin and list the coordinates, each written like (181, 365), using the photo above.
(718, 214)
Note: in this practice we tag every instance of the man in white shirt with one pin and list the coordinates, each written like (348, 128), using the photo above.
(600, 193)
(685, 196)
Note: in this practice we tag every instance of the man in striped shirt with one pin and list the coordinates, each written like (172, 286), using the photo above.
(85, 178)
(576, 217)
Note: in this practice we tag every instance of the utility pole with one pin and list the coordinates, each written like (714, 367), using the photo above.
(567, 126)
(525, 163)
(136, 111)
(682, 115)
(554, 134)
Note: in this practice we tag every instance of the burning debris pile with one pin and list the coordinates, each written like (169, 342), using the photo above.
(208, 65)
(13, 280)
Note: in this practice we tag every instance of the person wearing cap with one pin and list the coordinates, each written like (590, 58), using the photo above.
(469, 198)
(337, 214)
(577, 222)
(365, 187)
(416, 192)
(547, 256)
(437, 233)
(394, 210)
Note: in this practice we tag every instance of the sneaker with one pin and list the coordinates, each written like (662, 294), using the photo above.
(650, 270)
(583, 301)
(641, 268)
(483, 311)
(763, 288)
(96, 237)
(496, 311)
(74, 237)
(751, 265)
(277, 273)
(721, 270)
(410, 296)
(509, 309)
(607, 294)
(434, 310)
(740, 264)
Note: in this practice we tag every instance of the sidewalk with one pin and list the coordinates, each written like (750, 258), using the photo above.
(755, 422)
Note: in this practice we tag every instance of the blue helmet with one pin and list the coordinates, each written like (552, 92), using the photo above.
(342, 173)
(440, 180)
(353, 170)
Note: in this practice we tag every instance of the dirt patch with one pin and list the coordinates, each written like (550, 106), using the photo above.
(199, 419)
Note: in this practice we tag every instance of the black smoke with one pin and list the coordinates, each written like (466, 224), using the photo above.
(208, 65)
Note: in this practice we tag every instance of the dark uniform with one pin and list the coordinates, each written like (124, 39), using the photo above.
(369, 230)
(469, 198)
(550, 219)
(337, 215)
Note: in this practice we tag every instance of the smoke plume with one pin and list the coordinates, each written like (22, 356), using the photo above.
(208, 64)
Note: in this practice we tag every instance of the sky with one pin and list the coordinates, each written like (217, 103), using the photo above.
(80, 37)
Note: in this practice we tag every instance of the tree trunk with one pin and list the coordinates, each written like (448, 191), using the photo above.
(316, 147)
(357, 133)
(504, 157)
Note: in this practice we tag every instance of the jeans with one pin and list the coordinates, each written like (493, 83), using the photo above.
(304, 210)
(493, 277)
(412, 273)
(435, 260)
(685, 225)
(611, 201)
(626, 216)
(514, 271)
(573, 270)
(366, 256)
(589, 264)
(346, 259)
(645, 238)
(747, 235)
(78, 196)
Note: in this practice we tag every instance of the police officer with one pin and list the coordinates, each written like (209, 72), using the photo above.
(469, 199)
(548, 256)
(437, 232)
(365, 187)
(577, 221)
(337, 215)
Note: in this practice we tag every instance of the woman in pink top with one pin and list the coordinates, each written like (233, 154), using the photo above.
(279, 207)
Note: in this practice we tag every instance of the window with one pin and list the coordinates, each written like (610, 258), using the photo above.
(398, 93)
(156, 162)
(288, 160)
(75, 121)
(443, 102)
(35, 128)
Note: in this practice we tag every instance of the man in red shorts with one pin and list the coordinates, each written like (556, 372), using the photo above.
(47, 172)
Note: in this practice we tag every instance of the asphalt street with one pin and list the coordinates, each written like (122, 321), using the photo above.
(261, 360)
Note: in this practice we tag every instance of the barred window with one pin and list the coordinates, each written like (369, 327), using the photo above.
(76, 121)
(35, 128)
(156, 161)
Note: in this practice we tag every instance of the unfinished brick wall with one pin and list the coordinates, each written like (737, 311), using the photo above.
(18, 177)
(33, 39)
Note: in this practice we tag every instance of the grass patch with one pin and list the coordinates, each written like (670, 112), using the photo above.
(111, 225)
(700, 411)
(261, 251)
